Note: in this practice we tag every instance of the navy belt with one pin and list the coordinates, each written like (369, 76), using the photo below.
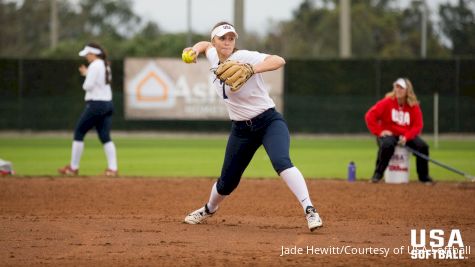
(255, 119)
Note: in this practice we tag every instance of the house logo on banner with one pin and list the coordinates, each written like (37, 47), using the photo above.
(151, 88)
(168, 89)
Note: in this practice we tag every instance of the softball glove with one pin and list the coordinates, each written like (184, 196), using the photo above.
(234, 74)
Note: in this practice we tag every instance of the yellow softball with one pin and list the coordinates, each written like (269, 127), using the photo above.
(188, 56)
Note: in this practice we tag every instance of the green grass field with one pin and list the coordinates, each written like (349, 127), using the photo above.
(181, 156)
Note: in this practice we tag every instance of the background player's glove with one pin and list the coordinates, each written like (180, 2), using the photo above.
(234, 74)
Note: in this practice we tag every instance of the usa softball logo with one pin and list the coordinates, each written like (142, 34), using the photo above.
(437, 244)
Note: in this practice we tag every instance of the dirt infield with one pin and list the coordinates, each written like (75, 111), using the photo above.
(138, 222)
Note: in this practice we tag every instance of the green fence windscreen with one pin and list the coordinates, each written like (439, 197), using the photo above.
(321, 96)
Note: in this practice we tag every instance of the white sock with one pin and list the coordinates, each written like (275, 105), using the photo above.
(295, 181)
(109, 149)
(76, 153)
(214, 199)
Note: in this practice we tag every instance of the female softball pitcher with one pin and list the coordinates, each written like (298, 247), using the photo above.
(98, 111)
(255, 121)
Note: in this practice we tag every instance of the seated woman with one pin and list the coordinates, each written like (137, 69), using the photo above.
(397, 119)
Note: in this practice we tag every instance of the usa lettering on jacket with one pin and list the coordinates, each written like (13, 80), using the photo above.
(400, 117)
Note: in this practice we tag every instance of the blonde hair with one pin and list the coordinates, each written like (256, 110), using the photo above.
(411, 98)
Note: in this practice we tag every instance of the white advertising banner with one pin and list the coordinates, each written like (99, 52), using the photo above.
(167, 88)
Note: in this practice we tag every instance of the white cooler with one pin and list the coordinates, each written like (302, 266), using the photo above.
(397, 171)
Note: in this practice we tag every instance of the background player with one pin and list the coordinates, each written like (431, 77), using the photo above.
(255, 122)
(397, 119)
(98, 111)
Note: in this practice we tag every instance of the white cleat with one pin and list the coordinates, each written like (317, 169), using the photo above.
(198, 216)
(313, 219)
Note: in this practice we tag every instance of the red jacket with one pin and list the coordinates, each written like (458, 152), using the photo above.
(387, 115)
